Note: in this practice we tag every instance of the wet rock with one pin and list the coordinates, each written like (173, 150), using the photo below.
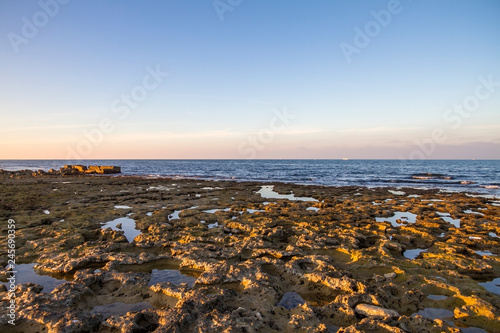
(338, 260)
(291, 300)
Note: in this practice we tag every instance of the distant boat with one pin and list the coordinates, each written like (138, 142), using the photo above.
(345, 158)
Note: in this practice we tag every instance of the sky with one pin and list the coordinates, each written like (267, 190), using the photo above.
(408, 79)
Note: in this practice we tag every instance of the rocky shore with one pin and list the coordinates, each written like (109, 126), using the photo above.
(132, 254)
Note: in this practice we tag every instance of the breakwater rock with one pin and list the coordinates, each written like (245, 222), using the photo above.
(66, 170)
(93, 169)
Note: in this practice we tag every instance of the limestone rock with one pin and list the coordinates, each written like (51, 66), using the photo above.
(369, 310)
(291, 300)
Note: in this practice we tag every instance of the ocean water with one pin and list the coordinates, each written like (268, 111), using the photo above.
(480, 176)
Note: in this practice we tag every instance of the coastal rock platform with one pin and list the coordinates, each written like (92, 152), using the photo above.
(143, 254)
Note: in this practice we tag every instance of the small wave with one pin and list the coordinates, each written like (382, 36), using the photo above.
(490, 186)
(467, 182)
(426, 176)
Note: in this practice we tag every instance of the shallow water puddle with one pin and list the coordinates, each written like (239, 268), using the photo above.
(212, 225)
(159, 188)
(484, 253)
(163, 270)
(174, 215)
(446, 217)
(171, 275)
(472, 330)
(492, 234)
(408, 217)
(122, 207)
(267, 192)
(469, 211)
(396, 192)
(252, 211)
(437, 297)
(435, 313)
(26, 273)
(119, 308)
(492, 286)
(314, 209)
(413, 253)
(213, 211)
(127, 225)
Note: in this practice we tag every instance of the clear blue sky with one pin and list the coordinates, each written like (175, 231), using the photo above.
(233, 68)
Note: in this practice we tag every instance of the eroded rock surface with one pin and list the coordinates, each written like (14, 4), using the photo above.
(226, 259)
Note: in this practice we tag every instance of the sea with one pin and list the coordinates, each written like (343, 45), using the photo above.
(475, 176)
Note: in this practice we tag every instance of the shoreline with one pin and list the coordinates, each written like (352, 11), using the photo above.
(249, 262)
(267, 182)
(452, 175)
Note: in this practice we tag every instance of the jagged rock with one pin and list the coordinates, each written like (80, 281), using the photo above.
(291, 300)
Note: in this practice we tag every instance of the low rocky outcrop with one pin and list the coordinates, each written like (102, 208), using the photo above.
(92, 169)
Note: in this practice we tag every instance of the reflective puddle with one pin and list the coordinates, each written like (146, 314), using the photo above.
(174, 215)
(402, 216)
(119, 308)
(213, 211)
(435, 313)
(26, 273)
(472, 212)
(484, 253)
(127, 226)
(170, 275)
(446, 217)
(413, 253)
(163, 270)
(396, 192)
(122, 207)
(492, 286)
(212, 225)
(437, 297)
(267, 192)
